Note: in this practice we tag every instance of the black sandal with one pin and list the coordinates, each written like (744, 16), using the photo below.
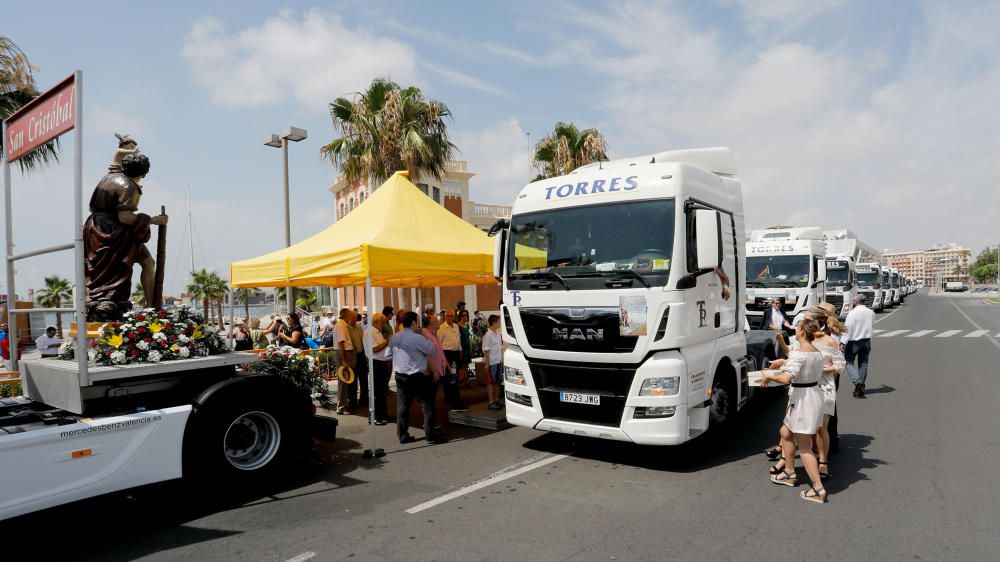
(773, 454)
(824, 475)
(775, 469)
(814, 495)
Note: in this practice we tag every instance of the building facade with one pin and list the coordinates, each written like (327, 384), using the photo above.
(935, 266)
(451, 192)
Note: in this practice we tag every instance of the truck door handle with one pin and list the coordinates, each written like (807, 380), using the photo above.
(718, 319)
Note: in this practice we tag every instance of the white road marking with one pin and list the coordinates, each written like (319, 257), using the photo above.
(995, 343)
(947, 333)
(977, 333)
(879, 331)
(302, 557)
(888, 315)
(920, 333)
(499, 476)
(892, 333)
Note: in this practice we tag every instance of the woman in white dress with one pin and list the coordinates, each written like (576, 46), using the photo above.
(834, 365)
(804, 417)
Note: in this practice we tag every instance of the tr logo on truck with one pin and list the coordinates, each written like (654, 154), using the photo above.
(590, 334)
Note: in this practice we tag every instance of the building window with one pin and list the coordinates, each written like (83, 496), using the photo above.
(350, 203)
(437, 196)
(452, 187)
(422, 187)
(361, 197)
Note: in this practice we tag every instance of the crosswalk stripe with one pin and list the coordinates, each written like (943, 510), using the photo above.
(976, 333)
(892, 333)
(947, 333)
(879, 331)
(920, 333)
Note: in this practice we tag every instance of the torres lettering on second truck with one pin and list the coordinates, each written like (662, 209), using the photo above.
(625, 325)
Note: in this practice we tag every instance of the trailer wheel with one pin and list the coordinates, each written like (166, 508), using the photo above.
(241, 435)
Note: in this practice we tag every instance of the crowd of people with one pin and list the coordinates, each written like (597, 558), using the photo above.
(821, 351)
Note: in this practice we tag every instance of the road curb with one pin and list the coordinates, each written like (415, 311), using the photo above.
(991, 303)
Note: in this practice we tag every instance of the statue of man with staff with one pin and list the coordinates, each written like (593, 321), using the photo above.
(115, 236)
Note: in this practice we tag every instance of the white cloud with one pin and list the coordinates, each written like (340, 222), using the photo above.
(498, 155)
(106, 121)
(462, 79)
(782, 14)
(313, 59)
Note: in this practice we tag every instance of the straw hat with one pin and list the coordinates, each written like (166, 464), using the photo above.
(828, 308)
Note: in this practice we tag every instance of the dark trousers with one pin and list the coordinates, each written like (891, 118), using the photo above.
(381, 375)
(449, 380)
(858, 349)
(419, 387)
(832, 426)
(362, 373)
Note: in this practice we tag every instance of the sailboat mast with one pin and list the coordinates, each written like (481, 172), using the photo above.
(190, 229)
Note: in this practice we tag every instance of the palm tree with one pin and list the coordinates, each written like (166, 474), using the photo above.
(200, 289)
(138, 294)
(306, 299)
(17, 87)
(387, 128)
(218, 288)
(567, 148)
(57, 291)
(243, 295)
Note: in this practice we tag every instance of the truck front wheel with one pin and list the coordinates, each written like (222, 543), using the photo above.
(723, 407)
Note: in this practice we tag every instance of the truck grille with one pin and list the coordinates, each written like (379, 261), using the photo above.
(836, 299)
(612, 383)
(591, 330)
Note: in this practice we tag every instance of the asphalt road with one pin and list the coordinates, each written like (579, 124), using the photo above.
(915, 478)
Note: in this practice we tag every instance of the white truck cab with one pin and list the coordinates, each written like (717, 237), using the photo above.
(622, 308)
(897, 292)
(841, 283)
(869, 277)
(785, 263)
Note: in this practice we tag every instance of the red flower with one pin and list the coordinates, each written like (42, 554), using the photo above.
(93, 344)
(140, 317)
(141, 329)
(147, 340)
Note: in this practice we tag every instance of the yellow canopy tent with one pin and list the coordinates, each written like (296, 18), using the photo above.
(398, 238)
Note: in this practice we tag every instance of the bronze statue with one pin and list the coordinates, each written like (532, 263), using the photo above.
(115, 236)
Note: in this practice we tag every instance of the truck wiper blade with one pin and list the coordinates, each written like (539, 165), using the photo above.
(550, 275)
(634, 274)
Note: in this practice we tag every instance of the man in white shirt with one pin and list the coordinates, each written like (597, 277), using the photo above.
(347, 394)
(856, 343)
(375, 344)
(47, 343)
(451, 343)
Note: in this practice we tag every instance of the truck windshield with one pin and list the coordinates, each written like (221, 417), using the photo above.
(895, 281)
(869, 279)
(777, 271)
(838, 277)
(615, 240)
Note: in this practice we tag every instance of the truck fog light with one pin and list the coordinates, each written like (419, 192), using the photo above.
(660, 386)
(521, 399)
(655, 411)
(513, 375)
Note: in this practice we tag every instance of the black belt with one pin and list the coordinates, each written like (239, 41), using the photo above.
(803, 384)
(417, 374)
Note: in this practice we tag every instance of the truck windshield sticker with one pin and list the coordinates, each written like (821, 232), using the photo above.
(661, 265)
(591, 187)
(115, 426)
(632, 311)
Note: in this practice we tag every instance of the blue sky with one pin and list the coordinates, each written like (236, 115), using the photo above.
(875, 116)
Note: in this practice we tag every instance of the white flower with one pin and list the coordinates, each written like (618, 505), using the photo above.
(92, 355)
(67, 345)
(118, 357)
(160, 336)
(154, 356)
(144, 346)
(185, 352)
(183, 339)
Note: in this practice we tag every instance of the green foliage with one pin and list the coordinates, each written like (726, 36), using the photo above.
(567, 148)
(388, 128)
(17, 87)
(304, 298)
(290, 363)
(9, 390)
(138, 294)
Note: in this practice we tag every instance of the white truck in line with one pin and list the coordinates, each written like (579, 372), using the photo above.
(80, 431)
(623, 288)
(870, 284)
(787, 263)
(897, 292)
(841, 283)
(887, 299)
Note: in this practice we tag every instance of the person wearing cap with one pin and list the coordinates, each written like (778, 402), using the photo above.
(48, 344)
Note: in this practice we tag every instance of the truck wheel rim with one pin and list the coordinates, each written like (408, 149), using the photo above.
(252, 440)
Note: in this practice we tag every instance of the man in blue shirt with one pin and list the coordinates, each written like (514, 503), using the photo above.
(415, 379)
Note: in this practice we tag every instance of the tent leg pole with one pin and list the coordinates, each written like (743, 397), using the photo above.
(374, 452)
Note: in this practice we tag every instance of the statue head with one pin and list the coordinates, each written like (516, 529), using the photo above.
(135, 165)
(126, 145)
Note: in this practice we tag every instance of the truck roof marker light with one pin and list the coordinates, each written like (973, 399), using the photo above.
(82, 453)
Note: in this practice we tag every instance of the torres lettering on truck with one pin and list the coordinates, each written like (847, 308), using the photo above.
(622, 308)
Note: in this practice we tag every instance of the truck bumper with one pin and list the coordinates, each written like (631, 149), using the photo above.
(633, 427)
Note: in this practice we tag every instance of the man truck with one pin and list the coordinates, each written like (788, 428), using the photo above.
(841, 283)
(788, 264)
(870, 284)
(897, 292)
(622, 306)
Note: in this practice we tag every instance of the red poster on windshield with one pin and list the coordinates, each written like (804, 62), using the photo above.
(41, 120)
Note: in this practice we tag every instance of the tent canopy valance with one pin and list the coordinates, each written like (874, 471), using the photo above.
(398, 238)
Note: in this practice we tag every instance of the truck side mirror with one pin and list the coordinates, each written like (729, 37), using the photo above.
(820, 271)
(499, 252)
(707, 226)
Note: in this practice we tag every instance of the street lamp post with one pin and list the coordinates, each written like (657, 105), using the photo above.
(293, 134)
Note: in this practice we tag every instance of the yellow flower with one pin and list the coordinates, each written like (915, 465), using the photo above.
(155, 327)
(197, 333)
(116, 340)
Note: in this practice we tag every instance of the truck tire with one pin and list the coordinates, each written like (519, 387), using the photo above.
(723, 407)
(241, 435)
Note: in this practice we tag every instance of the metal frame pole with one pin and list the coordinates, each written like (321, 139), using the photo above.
(11, 301)
(79, 255)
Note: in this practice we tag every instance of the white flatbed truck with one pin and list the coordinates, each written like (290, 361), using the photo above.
(623, 309)
(80, 431)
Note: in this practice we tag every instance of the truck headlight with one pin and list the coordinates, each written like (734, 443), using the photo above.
(513, 375)
(660, 386)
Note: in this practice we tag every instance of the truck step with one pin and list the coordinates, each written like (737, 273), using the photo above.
(480, 416)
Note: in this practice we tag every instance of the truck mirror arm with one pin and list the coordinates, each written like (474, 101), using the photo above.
(690, 280)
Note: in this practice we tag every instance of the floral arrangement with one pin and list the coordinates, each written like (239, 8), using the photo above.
(151, 336)
(292, 364)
